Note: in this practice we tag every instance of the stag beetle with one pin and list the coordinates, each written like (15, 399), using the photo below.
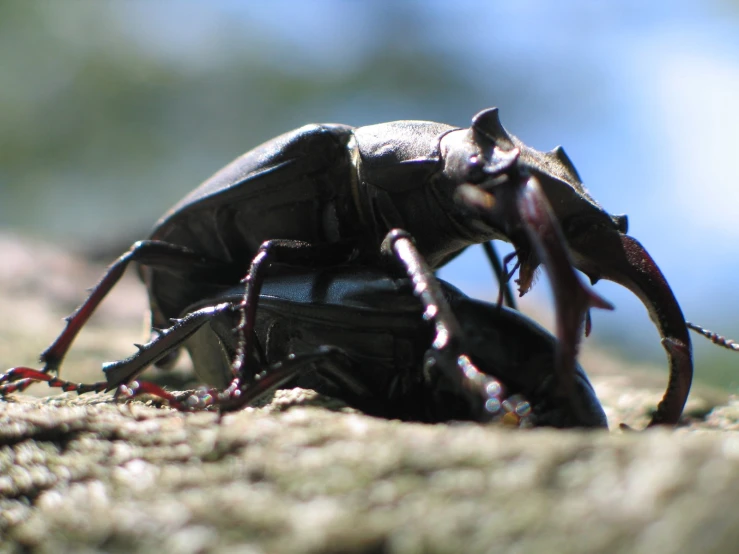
(328, 195)
(392, 346)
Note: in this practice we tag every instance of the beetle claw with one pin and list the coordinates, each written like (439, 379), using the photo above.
(611, 255)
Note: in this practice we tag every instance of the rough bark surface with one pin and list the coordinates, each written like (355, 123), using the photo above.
(305, 474)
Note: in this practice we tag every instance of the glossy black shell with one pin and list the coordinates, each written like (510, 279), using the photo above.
(378, 322)
(328, 184)
(320, 184)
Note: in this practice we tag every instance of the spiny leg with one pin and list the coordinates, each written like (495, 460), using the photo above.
(447, 352)
(152, 253)
(332, 362)
(120, 372)
(240, 391)
(123, 371)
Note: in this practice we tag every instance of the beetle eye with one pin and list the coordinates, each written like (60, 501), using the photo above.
(475, 169)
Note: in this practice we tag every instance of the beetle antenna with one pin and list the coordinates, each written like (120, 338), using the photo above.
(715, 338)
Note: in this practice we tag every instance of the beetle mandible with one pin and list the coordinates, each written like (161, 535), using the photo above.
(343, 189)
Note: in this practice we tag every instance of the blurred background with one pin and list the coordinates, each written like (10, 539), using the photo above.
(110, 112)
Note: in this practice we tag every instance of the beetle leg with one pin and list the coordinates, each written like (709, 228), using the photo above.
(154, 253)
(447, 352)
(122, 371)
(19, 378)
(501, 273)
(284, 251)
(329, 360)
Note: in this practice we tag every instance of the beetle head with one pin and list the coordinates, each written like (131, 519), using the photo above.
(554, 171)
(597, 241)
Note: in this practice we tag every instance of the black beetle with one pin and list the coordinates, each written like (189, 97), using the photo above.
(339, 190)
(395, 346)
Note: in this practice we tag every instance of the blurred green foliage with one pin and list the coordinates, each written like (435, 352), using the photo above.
(96, 117)
(112, 111)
